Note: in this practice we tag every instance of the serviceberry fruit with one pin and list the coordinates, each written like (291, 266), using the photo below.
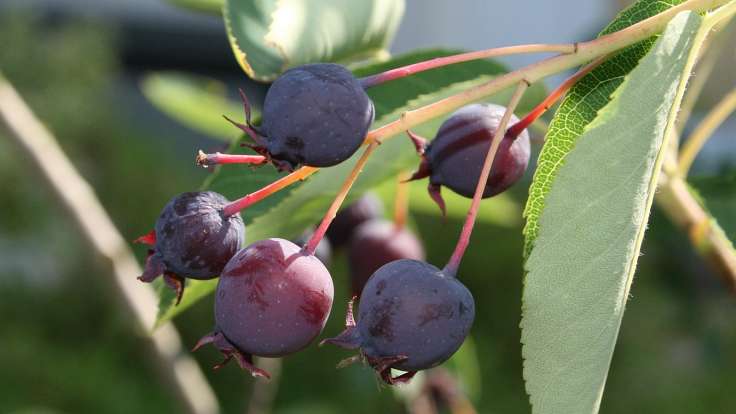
(315, 115)
(375, 243)
(367, 207)
(323, 250)
(455, 157)
(411, 316)
(192, 238)
(272, 300)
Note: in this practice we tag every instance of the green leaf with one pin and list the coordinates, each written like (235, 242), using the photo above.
(208, 6)
(580, 107)
(590, 232)
(287, 213)
(197, 102)
(270, 36)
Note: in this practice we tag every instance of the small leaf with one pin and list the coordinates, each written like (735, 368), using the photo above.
(590, 231)
(197, 102)
(580, 107)
(270, 36)
(288, 212)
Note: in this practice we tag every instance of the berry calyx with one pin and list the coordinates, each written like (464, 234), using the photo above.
(193, 238)
(315, 115)
(375, 243)
(411, 316)
(272, 300)
(455, 157)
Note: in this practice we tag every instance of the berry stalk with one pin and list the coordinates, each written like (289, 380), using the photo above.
(552, 98)
(206, 160)
(401, 200)
(585, 52)
(439, 62)
(236, 206)
(704, 130)
(462, 243)
(332, 211)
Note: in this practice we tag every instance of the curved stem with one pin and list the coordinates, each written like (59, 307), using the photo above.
(675, 198)
(74, 194)
(710, 53)
(552, 98)
(332, 211)
(704, 130)
(414, 68)
(462, 243)
(584, 52)
(235, 206)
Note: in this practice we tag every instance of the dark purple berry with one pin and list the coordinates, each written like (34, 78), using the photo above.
(375, 243)
(367, 207)
(411, 316)
(272, 300)
(192, 239)
(316, 115)
(455, 157)
(323, 250)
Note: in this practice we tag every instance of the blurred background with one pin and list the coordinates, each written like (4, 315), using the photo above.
(68, 346)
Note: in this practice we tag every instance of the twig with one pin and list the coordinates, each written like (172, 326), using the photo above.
(422, 404)
(706, 236)
(264, 392)
(178, 369)
(704, 130)
(585, 52)
(581, 53)
(415, 68)
(711, 52)
(516, 129)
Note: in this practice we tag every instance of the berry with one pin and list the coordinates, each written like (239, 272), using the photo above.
(385, 242)
(315, 115)
(272, 300)
(411, 316)
(192, 238)
(367, 207)
(455, 157)
(323, 250)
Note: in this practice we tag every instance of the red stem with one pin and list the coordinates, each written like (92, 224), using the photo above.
(238, 205)
(332, 211)
(408, 70)
(516, 129)
(206, 160)
(462, 243)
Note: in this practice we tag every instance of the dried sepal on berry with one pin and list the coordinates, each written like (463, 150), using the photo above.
(230, 351)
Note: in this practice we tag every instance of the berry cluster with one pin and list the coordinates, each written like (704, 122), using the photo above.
(274, 296)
